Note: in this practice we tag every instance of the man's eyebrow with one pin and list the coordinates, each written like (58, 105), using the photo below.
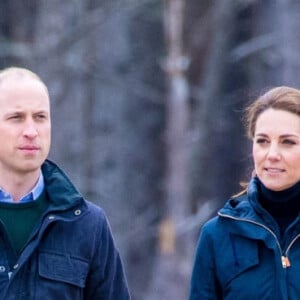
(13, 112)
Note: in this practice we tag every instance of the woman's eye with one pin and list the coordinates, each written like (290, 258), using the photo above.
(261, 141)
(289, 142)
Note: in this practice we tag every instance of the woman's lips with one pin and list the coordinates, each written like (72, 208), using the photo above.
(274, 170)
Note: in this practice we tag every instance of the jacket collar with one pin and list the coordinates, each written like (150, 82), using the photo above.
(60, 190)
(245, 206)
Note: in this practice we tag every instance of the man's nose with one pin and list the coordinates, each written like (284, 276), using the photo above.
(30, 129)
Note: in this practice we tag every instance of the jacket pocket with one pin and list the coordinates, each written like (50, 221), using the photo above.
(63, 268)
(240, 258)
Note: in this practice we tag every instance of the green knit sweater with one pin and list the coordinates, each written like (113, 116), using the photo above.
(19, 219)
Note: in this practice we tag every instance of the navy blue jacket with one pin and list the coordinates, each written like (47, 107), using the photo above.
(242, 256)
(71, 253)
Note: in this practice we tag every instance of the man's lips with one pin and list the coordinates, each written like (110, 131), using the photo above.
(29, 148)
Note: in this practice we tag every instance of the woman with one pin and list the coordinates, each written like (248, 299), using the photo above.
(251, 250)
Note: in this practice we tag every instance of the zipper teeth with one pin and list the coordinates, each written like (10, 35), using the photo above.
(261, 225)
(291, 243)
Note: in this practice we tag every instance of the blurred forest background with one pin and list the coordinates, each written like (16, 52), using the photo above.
(147, 100)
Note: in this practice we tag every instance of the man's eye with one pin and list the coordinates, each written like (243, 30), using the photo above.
(15, 117)
(40, 117)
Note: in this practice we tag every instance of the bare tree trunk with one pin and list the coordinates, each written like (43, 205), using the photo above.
(177, 190)
(210, 121)
(173, 262)
(288, 24)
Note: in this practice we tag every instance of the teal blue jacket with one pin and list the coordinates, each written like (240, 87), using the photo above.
(71, 254)
(242, 256)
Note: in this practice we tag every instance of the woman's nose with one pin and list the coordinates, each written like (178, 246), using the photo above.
(274, 152)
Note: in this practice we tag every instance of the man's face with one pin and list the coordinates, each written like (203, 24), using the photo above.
(25, 126)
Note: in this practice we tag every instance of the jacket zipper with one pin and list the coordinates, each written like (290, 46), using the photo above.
(285, 262)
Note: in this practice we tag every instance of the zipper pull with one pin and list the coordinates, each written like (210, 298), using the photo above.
(285, 262)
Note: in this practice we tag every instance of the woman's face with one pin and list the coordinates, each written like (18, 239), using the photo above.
(276, 149)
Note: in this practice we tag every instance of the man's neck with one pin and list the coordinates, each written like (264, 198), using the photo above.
(19, 185)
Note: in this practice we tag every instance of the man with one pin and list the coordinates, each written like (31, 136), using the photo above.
(53, 243)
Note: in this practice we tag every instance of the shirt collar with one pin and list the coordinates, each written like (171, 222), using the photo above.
(30, 196)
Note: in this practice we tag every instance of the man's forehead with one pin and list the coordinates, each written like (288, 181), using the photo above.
(17, 74)
(12, 76)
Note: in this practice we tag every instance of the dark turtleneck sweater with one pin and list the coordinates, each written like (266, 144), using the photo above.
(284, 206)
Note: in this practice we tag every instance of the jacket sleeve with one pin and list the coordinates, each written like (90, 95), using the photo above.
(204, 285)
(106, 280)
